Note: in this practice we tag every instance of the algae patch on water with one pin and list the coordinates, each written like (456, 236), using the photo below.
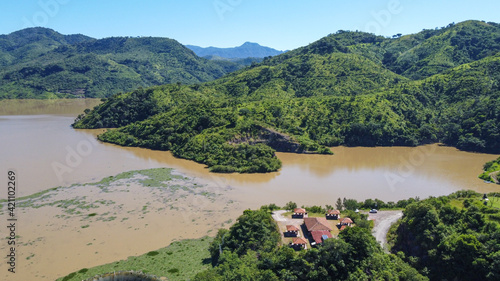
(161, 178)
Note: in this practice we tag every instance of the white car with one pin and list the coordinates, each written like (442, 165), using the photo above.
(373, 211)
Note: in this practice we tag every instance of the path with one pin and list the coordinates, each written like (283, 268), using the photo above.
(383, 221)
(278, 215)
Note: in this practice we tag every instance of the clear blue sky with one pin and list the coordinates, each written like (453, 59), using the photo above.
(281, 24)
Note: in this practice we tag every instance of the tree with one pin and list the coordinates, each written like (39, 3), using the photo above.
(351, 204)
(290, 206)
(339, 204)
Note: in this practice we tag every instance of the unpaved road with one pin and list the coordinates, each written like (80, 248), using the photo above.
(383, 221)
(278, 215)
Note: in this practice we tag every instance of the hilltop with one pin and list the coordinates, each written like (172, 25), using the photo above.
(42, 63)
(348, 88)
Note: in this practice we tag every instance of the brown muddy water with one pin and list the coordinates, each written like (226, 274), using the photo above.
(38, 142)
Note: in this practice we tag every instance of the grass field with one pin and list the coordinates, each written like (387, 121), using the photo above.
(181, 260)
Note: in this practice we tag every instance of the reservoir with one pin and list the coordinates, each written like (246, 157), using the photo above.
(83, 225)
(38, 141)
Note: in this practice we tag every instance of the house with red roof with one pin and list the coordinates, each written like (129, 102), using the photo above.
(332, 215)
(299, 213)
(313, 224)
(291, 231)
(320, 235)
(299, 243)
(319, 229)
(346, 221)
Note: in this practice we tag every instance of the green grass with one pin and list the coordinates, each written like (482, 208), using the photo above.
(32, 196)
(478, 201)
(494, 202)
(490, 167)
(155, 177)
(316, 215)
(181, 260)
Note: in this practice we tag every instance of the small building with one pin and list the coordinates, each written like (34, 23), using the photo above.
(319, 236)
(299, 243)
(343, 227)
(314, 224)
(319, 230)
(346, 221)
(291, 231)
(299, 213)
(332, 215)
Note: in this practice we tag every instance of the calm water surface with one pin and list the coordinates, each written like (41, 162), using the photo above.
(37, 141)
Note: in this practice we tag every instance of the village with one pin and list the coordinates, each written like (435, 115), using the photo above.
(300, 231)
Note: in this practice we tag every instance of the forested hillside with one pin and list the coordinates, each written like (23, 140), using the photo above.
(343, 89)
(27, 44)
(41, 63)
(454, 237)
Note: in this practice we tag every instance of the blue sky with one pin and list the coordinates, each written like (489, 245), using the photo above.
(281, 24)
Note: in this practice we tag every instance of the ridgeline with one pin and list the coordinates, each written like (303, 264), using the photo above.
(41, 63)
(349, 88)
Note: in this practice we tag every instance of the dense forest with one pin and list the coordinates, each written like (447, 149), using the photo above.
(454, 237)
(41, 63)
(251, 250)
(349, 88)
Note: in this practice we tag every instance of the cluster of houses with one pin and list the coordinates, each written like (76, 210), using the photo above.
(315, 229)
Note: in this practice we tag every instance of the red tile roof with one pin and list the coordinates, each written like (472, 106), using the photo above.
(292, 228)
(333, 212)
(313, 224)
(343, 227)
(299, 211)
(299, 241)
(346, 220)
(317, 235)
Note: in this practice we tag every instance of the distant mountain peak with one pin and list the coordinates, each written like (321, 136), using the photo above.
(250, 44)
(246, 50)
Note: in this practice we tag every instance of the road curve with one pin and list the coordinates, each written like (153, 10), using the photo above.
(383, 221)
(278, 215)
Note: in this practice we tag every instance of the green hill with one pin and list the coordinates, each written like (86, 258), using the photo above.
(27, 44)
(336, 91)
(431, 52)
(41, 63)
(455, 237)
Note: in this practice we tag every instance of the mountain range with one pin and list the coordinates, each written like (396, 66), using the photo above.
(348, 88)
(42, 63)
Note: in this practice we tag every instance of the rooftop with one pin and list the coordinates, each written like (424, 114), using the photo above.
(313, 224)
(346, 220)
(333, 212)
(318, 235)
(299, 241)
(299, 211)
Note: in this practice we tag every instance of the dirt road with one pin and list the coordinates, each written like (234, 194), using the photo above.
(383, 221)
